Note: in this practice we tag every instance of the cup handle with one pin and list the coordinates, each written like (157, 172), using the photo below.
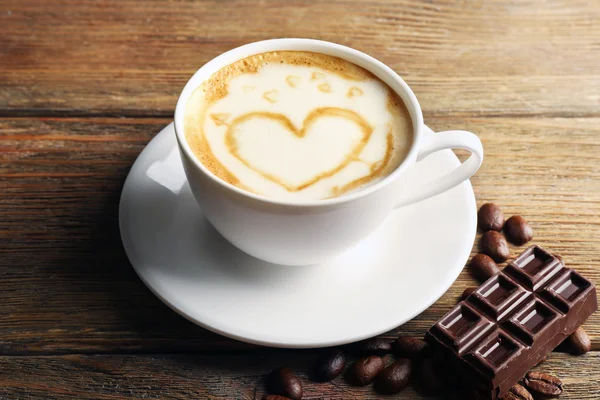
(433, 142)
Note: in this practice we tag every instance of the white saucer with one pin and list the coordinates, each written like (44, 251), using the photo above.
(389, 278)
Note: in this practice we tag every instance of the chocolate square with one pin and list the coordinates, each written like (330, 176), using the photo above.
(499, 297)
(534, 268)
(564, 291)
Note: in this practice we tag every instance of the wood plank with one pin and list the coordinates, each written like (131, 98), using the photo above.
(124, 57)
(67, 285)
(218, 377)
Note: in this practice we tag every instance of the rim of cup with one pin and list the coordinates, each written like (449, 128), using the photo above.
(376, 67)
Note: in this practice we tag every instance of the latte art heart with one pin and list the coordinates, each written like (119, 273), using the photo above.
(297, 126)
(271, 145)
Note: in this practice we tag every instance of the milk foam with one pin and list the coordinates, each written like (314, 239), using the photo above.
(284, 127)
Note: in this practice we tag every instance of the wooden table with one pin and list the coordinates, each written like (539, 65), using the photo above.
(85, 85)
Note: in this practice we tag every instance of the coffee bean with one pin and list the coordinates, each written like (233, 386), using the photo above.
(490, 217)
(428, 379)
(394, 377)
(467, 292)
(364, 370)
(543, 384)
(409, 347)
(517, 230)
(329, 365)
(274, 397)
(284, 382)
(518, 392)
(373, 346)
(483, 267)
(579, 342)
(494, 245)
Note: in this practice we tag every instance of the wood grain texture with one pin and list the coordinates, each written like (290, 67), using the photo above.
(468, 57)
(75, 320)
(67, 284)
(218, 377)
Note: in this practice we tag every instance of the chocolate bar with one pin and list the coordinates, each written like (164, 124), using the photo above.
(511, 322)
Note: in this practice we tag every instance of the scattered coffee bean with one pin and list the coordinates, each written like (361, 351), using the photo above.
(394, 377)
(518, 392)
(543, 384)
(494, 245)
(409, 347)
(364, 370)
(284, 382)
(490, 217)
(428, 379)
(483, 267)
(579, 342)
(373, 346)
(467, 292)
(329, 365)
(517, 230)
(274, 397)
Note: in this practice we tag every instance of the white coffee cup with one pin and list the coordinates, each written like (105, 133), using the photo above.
(302, 233)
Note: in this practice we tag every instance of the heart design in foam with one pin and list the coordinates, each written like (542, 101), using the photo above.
(297, 157)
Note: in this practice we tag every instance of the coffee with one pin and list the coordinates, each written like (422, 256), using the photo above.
(297, 126)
